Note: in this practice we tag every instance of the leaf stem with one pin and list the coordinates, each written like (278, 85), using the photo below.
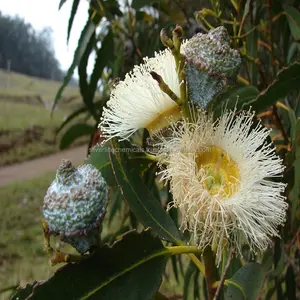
(210, 272)
(219, 284)
(194, 258)
(182, 249)
(197, 263)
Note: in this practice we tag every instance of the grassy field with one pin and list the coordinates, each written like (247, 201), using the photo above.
(27, 129)
(21, 246)
(19, 86)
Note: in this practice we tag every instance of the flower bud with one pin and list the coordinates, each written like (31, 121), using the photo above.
(75, 204)
(166, 41)
(210, 61)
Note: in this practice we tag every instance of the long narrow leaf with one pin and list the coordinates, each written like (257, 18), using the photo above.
(71, 19)
(85, 36)
(61, 3)
(141, 201)
(104, 55)
(73, 133)
(83, 77)
(72, 116)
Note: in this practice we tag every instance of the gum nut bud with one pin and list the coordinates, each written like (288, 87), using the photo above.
(166, 41)
(211, 62)
(75, 205)
(213, 53)
(178, 32)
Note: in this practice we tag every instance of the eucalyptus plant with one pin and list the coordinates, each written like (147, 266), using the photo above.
(195, 148)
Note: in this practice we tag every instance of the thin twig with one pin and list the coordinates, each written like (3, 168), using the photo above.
(296, 236)
(269, 7)
(231, 253)
(131, 28)
(262, 287)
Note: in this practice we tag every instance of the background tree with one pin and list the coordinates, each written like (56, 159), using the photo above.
(27, 51)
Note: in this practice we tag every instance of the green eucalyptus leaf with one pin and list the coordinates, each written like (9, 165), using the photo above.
(287, 80)
(293, 17)
(235, 264)
(99, 158)
(291, 285)
(73, 133)
(246, 9)
(294, 47)
(116, 204)
(83, 76)
(24, 292)
(295, 192)
(72, 116)
(104, 55)
(196, 294)
(234, 98)
(109, 8)
(252, 50)
(61, 3)
(72, 16)
(130, 269)
(280, 265)
(246, 283)
(140, 199)
(84, 39)
(187, 288)
(267, 261)
(175, 267)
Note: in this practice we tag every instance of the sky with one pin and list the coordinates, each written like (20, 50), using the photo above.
(45, 13)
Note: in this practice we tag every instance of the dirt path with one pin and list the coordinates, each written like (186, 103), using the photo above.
(39, 166)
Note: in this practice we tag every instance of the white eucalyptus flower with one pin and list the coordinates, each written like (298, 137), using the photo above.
(137, 102)
(223, 176)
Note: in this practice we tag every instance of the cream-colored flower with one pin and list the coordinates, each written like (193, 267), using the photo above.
(223, 178)
(137, 102)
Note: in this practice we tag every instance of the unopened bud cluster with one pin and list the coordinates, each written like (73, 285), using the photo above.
(75, 204)
(209, 62)
(212, 52)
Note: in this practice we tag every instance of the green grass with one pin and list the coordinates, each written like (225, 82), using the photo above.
(27, 131)
(25, 103)
(18, 85)
(21, 246)
(22, 115)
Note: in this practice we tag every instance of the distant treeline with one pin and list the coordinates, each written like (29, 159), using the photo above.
(27, 51)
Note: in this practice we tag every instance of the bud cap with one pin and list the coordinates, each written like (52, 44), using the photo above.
(212, 52)
(75, 204)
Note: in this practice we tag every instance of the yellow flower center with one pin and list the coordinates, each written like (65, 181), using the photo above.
(164, 118)
(221, 171)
